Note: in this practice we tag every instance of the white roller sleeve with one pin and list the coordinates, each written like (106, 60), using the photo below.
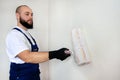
(81, 53)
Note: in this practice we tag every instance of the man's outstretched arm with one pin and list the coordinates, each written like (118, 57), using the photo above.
(38, 57)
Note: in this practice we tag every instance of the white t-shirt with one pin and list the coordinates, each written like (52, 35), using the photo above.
(16, 42)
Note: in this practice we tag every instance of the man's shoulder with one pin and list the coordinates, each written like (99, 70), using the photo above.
(14, 34)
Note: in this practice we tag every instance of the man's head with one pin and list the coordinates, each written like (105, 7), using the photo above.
(24, 16)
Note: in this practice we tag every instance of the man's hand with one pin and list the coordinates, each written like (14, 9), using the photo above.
(61, 54)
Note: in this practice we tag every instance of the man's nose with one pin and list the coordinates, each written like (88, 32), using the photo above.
(31, 16)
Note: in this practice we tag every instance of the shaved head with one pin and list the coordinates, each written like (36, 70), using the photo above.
(18, 9)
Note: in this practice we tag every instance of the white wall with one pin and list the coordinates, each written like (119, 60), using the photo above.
(101, 20)
(54, 20)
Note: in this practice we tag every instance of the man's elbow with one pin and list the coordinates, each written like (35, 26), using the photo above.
(25, 56)
(27, 60)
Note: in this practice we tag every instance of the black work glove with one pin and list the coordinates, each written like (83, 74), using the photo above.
(61, 54)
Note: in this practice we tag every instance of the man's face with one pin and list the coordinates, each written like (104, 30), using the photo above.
(26, 17)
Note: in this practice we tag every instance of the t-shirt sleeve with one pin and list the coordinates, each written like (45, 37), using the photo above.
(16, 43)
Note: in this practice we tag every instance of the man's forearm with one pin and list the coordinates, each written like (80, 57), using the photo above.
(33, 57)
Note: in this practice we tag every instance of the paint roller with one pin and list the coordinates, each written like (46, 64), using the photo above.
(81, 54)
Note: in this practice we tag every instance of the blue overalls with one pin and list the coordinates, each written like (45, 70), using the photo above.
(25, 71)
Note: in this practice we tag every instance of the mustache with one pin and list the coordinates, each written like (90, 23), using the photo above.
(30, 20)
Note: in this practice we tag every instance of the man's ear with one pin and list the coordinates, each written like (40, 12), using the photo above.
(17, 16)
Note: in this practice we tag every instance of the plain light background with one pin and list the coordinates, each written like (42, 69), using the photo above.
(53, 23)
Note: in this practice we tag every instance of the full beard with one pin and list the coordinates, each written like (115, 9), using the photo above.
(26, 24)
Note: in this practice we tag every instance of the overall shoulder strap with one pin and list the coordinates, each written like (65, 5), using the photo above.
(23, 34)
(33, 47)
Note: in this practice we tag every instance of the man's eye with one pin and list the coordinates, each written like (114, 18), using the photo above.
(27, 14)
